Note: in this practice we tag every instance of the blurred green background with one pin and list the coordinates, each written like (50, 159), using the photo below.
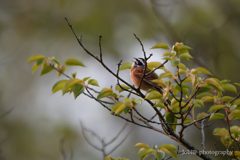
(33, 121)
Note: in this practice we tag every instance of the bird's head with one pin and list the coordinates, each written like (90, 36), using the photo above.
(139, 62)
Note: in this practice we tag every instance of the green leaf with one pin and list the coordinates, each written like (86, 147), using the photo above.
(159, 82)
(143, 153)
(160, 45)
(153, 95)
(117, 87)
(40, 61)
(224, 81)
(201, 115)
(167, 53)
(238, 84)
(220, 132)
(183, 47)
(77, 90)
(182, 66)
(236, 102)
(116, 107)
(58, 86)
(168, 58)
(204, 94)
(200, 70)
(142, 145)
(85, 79)
(216, 107)
(229, 87)
(187, 120)
(46, 69)
(153, 64)
(208, 99)
(175, 62)
(226, 99)
(235, 114)
(226, 141)
(127, 101)
(185, 55)
(126, 110)
(169, 149)
(126, 65)
(216, 116)
(104, 93)
(214, 82)
(235, 129)
(35, 67)
(159, 155)
(171, 119)
(70, 83)
(165, 75)
(35, 58)
(159, 105)
(74, 62)
(93, 82)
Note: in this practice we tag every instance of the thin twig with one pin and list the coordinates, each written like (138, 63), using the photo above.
(203, 135)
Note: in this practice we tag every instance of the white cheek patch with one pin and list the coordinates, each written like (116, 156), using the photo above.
(133, 64)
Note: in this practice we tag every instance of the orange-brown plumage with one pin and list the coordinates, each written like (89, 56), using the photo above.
(137, 72)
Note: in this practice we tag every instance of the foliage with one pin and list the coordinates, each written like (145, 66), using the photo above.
(184, 91)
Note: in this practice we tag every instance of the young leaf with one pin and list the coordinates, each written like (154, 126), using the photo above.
(142, 145)
(182, 66)
(201, 115)
(185, 55)
(116, 106)
(159, 155)
(153, 64)
(229, 87)
(187, 120)
(200, 70)
(159, 82)
(235, 129)
(85, 79)
(238, 84)
(143, 153)
(104, 93)
(216, 107)
(77, 90)
(153, 95)
(127, 102)
(46, 69)
(35, 58)
(126, 65)
(175, 62)
(74, 62)
(183, 47)
(169, 149)
(208, 99)
(58, 86)
(214, 82)
(167, 53)
(220, 132)
(160, 45)
(71, 83)
(165, 75)
(117, 87)
(93, 82)
(216, 116)
(226, 99)
(235, 114)
(35, 67)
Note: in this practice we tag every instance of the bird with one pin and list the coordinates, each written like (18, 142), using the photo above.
(137, 72)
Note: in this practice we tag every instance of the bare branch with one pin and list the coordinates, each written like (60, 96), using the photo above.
(203, 135)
